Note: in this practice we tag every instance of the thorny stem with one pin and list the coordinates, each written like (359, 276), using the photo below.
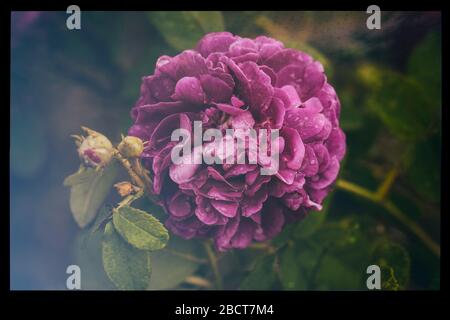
(137, 168)
(127, 165)
(137, 173)
(213, 262)
(141, 172)
(392, 209)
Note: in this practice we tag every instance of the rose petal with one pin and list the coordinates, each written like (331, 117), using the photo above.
(294, 99)
(310, 165)
(244, 234)
(272, 220)
(228, 209)
(216, 89)
(328, 176)
(182, 173)
(189, 63)
(336, 143)
(225, 234)
(254, 204)
(243, 120)
(161, 87)
(189, 89)
(215, 42)
(294, 150)
(179, 206)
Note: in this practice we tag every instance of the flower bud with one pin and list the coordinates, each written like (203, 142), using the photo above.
(131, 147)
(95, 150)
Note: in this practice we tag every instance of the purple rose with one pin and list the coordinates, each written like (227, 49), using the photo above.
(234, 82)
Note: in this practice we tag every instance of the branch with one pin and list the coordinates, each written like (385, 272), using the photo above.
(393, 210)
(384, 188)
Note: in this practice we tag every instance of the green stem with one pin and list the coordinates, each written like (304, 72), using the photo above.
(127, 165)
(384, 188)
(213, 262)
(394, 211)
(137, 174)
(355, 189)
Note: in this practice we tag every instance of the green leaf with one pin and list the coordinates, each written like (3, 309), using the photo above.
(81, 176)
(424, 171)
(140, 228)
(329, 259)
(395, 265)
(89, 189)
(344, 238)
(283, 237)
(336, 274)
(291, 275)
(304, 228)
(127, 267)
(170, 265)
(313, 221)
(298, 264)
(149, 206)
(425, 65)
(183, 29)
(399, 101)
(352, 116)
(210, 21)
(262, 277)
(88, 256)
(103, 216)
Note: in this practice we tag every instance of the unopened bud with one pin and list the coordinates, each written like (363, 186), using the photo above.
(131, 147)
(95, 150)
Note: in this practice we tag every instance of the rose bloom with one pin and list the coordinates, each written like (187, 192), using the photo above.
(229, 82)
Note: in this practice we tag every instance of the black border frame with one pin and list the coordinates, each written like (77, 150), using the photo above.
(286, 304)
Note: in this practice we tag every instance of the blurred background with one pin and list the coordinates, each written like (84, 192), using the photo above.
(385, 208)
